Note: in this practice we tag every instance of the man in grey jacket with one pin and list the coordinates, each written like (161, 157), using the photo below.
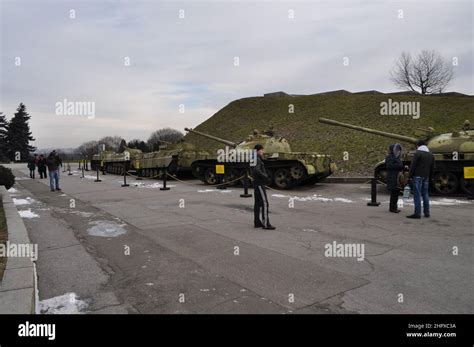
(261, 201)
(421, 170)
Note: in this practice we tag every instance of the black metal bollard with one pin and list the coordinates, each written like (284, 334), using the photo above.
(373, 193)
(221, 184)
(139, 171)
(98, 179)
(246, 187)
(124, 177)
(165, 175)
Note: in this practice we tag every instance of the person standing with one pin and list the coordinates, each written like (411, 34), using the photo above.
(421, 170)
(394, 165)
(32, 166)
(42, 166)
(261, 201)
(53, 163)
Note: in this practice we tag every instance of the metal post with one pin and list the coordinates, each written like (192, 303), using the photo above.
(98, 179)
(220, 181)
(69, 169)
(139, 171)
(373, 193)
(165, 175)
(124, 176)
(246, 186)
(82, 170)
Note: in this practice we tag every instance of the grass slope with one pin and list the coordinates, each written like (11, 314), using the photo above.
(236, 120)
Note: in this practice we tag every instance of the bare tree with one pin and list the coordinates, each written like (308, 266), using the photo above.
(427, 73)
(111, 143)
(88, 149)
(166, 135)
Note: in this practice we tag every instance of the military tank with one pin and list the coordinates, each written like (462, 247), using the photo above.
(285, 168)
(175, 157)
(453, 153)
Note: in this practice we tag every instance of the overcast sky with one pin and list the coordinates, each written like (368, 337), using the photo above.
(191, 60)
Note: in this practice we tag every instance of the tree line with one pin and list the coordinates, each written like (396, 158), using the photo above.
(15, 136)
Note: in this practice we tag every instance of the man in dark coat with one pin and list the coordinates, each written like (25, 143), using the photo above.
(32, 166)
(394, 165)
(42, 166)
(421, 171)
(261, 201)
(54, 163)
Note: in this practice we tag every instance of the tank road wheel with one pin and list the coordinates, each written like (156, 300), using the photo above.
(445, 183)
(282, 178)
(467, 185)
(297, 172)
(210, 176)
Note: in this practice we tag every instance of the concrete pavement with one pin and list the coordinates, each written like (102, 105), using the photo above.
(193, 249)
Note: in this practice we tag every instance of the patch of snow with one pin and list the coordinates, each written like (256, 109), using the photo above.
(103, 228)
(314, 197)
(343, 200)
(28, 214)
(441, 202)
(214, 190)
(68, 303)
(27, 201)
(152, 185)
(12, 190)
(22, 178)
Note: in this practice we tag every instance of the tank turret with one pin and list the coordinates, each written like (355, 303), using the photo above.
(284, 167)
(453, 153)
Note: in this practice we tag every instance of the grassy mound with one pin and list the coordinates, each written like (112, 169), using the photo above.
(445, 113)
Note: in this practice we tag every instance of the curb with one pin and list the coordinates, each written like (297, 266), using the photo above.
(19, 284)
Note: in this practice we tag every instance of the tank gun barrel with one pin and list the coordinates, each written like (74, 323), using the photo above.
(218, 139)
(370, 131)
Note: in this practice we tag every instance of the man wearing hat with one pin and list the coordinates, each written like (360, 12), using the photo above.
(261, 202)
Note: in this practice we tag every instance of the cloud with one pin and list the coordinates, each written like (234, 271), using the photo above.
(190, 61)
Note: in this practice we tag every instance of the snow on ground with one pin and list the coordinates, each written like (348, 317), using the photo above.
(28, 214)
(314, 197)
(22, 178)
(215, 191)
(90, 177)
(12, 190)
(151, 186)
(63, 304)
(27, 201)
(104, 228)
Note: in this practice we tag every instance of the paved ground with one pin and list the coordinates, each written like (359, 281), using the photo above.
(193, 249)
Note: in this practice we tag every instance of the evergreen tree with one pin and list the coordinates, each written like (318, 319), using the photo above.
(19, 135)
(3, 138)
